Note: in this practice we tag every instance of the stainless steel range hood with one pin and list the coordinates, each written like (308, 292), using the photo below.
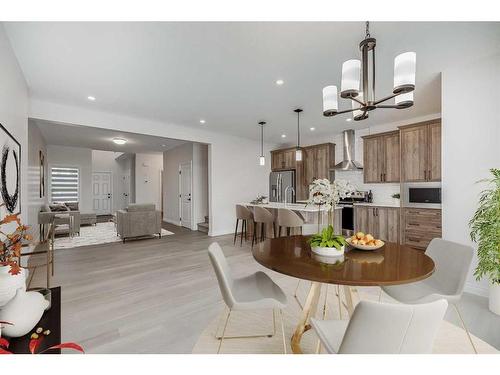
(348, 164)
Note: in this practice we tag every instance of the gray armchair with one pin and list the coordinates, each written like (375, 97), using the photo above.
(138, 220)
(47, 216)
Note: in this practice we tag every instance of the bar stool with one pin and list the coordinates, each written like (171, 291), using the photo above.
(289, 219)
(243, 214)
(263, 217)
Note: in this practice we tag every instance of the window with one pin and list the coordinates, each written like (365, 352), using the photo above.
(64, 182)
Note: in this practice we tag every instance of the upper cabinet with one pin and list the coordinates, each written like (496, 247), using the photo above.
(317, 160)
(421, 151)
(381, 157)
(283, 159)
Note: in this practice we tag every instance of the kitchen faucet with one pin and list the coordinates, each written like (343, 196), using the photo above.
(286, 193)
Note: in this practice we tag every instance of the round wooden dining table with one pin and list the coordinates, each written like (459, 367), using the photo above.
(392, 264)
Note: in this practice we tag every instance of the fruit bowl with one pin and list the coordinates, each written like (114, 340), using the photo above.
(366, 247)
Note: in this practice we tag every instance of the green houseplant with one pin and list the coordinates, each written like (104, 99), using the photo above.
(485, 231)
(327, 239)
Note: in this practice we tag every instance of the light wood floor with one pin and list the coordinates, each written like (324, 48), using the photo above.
(144, 296)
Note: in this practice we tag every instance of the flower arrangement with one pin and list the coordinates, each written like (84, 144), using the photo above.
(325, 194)
(11, 243)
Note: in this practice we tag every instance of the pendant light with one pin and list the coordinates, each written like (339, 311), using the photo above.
(298, 150)
(262, 159)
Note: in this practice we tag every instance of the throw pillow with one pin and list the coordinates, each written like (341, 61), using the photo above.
(58, 207)
(73, 206)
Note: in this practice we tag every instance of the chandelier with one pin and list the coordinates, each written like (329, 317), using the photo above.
(356, 72)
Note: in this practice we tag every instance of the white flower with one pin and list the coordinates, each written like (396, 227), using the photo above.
(322, 192)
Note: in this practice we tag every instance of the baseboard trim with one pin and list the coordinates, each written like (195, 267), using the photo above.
(170, 221)
(474, 289)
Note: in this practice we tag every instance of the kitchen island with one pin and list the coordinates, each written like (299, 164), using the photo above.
(308, 212)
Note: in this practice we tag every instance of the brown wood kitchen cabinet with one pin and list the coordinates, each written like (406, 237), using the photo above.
(381, 157)
(381, 222)
(317, 163)
(283, 159)
(421, 151)
(421, 225)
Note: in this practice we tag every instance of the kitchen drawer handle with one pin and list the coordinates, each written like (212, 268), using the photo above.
(413, 239)
(415, 224)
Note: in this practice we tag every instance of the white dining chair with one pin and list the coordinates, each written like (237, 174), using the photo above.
(253, 292)
(452, 262)
(382, 328)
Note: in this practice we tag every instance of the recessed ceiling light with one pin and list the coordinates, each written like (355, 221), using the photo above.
(348, 119)
(164, 145)
(283, 135)
(91, 98)
(279, 82)
(119, 141)
(312, 129)
(202, 121)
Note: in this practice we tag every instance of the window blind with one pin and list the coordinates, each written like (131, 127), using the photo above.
(64, 184)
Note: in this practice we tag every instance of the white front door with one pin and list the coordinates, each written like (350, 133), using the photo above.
(101, 193)
(185, 194)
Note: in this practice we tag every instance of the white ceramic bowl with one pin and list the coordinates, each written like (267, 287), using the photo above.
(328, 251)
(364, 247)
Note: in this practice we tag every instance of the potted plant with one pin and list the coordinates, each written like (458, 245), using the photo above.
(327, 243)
(485, 231)
(325, 194)
(12, 275)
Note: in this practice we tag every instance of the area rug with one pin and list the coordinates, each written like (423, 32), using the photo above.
(450, 340)
(94, 235)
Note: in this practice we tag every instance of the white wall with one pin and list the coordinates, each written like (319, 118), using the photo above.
(234, 173)
(34, 202)
(14, 114)
(471, 139)
(74, 157)
(148, 169)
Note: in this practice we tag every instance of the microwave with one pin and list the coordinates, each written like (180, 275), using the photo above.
(425, 195)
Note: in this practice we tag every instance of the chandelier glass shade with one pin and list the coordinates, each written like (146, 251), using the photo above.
(358, 83)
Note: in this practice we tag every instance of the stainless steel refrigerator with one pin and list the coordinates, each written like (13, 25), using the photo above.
(278, 183)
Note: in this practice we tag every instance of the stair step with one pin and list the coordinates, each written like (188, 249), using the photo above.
(203, 227)
(206, 219)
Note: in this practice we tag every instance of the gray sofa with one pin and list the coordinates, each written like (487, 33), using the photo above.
(48, 213)
(138, 220)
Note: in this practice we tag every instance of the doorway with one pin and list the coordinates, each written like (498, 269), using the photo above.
(102, 193)
(185, 194)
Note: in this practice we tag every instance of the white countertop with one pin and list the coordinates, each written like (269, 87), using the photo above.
(291, 206)
(381, 204)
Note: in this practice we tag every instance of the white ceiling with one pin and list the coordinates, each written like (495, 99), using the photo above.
(101, 139)
(225, 72)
